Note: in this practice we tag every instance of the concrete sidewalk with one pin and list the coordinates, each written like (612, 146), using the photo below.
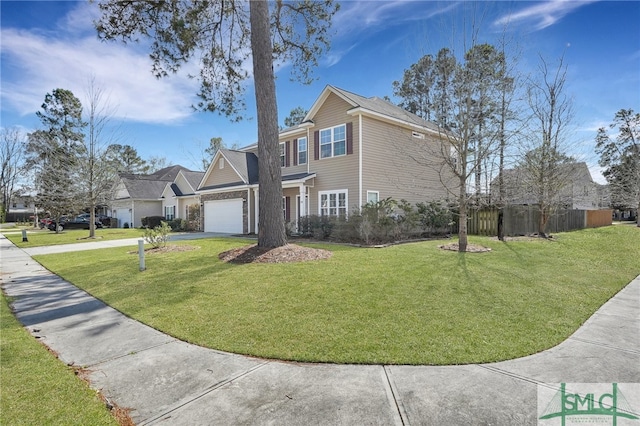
(167, 381)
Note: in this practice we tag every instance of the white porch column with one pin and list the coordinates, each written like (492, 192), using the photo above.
(256, 209)
(303, 200)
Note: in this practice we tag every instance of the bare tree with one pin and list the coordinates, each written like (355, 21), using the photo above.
(97, 177)
(543, 165)
(12, 148)
(224, 35)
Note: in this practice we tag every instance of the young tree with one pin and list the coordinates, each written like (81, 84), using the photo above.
(224, 35)
(54, 151)
(463, 99)
(155, 163)
(546, 139)
(621, 159)
(97, 177)
(295, 117)
(12, 149)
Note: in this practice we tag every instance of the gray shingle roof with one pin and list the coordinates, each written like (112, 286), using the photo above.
(384, 107)
(245, 163)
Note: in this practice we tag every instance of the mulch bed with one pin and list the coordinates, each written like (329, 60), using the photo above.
(285, 254)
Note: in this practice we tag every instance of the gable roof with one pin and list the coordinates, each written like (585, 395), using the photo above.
(374, 106)
(245, 164)
(151, 186)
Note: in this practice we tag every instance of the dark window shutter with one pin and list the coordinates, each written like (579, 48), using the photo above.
(287, 159)
(295, 152)
(349, 138)
(287, 209)
(316, 145)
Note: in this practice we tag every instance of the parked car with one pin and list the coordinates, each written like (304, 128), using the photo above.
(44, 223)
(72, 224)
(105, 220)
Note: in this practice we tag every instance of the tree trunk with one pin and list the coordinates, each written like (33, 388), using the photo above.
(462, 223)
(271, 232)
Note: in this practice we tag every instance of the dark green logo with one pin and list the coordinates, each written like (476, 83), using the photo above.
(565, 404)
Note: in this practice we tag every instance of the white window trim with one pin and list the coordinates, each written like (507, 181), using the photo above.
(373, 192)
(173, 210)
(283, 154)
(336, 191)
(333, 142)
(221, 163)
(306, 150)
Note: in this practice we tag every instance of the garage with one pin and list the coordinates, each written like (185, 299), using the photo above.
(123, 216)
(223, 216)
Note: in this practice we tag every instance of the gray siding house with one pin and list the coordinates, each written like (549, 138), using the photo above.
(165, 192)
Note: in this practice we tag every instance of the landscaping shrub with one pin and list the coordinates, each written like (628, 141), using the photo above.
(381, 222)
(316, 227)
(152, 221)
(126, 225)
(157, 236)
(178, 225)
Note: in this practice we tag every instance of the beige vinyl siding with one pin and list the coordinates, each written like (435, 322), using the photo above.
(388, 166)
(300, 168)
(120, 191)
(335, 173)
(144, 209)
(220, 176)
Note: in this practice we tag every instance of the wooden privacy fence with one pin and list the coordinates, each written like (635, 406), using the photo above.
(523, 220)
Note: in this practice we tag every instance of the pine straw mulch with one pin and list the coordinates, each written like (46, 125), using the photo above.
(285, 254)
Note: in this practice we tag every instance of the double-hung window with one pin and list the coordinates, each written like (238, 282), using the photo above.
(333, 203)
(302, 151)
(170, 212)
(333, 141)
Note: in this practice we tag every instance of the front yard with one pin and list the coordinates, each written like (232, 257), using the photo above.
(44, 237)
(405, 304)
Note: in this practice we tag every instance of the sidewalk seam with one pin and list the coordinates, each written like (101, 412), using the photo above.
(204, 393)
(394, 394)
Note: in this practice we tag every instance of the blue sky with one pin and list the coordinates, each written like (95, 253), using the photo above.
(51, 44)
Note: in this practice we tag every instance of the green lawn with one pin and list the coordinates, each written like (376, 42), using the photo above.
(38, 389)
(44, 237)
(405, 304)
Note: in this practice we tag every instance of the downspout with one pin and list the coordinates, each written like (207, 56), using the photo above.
(360, 162)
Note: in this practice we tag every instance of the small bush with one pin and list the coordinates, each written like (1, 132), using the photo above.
(126, 225)
(157, 236)
(152, 221)
(178, 225)
(317, 227)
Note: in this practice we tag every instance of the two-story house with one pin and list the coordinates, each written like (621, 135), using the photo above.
(576, 188)
(167, 192)
(349, 150)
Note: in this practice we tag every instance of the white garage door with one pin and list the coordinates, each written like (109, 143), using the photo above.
(223, 216)
(123, 216)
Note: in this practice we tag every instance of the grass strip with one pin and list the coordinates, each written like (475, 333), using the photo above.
(405, 304)
(36, 388)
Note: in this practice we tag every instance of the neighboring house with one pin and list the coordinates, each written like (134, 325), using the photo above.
(349, 150)
(21, 208)
(166, 191)
(577, 188)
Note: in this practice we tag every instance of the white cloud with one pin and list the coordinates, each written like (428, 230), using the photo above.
(35, 64)
(542, 15)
